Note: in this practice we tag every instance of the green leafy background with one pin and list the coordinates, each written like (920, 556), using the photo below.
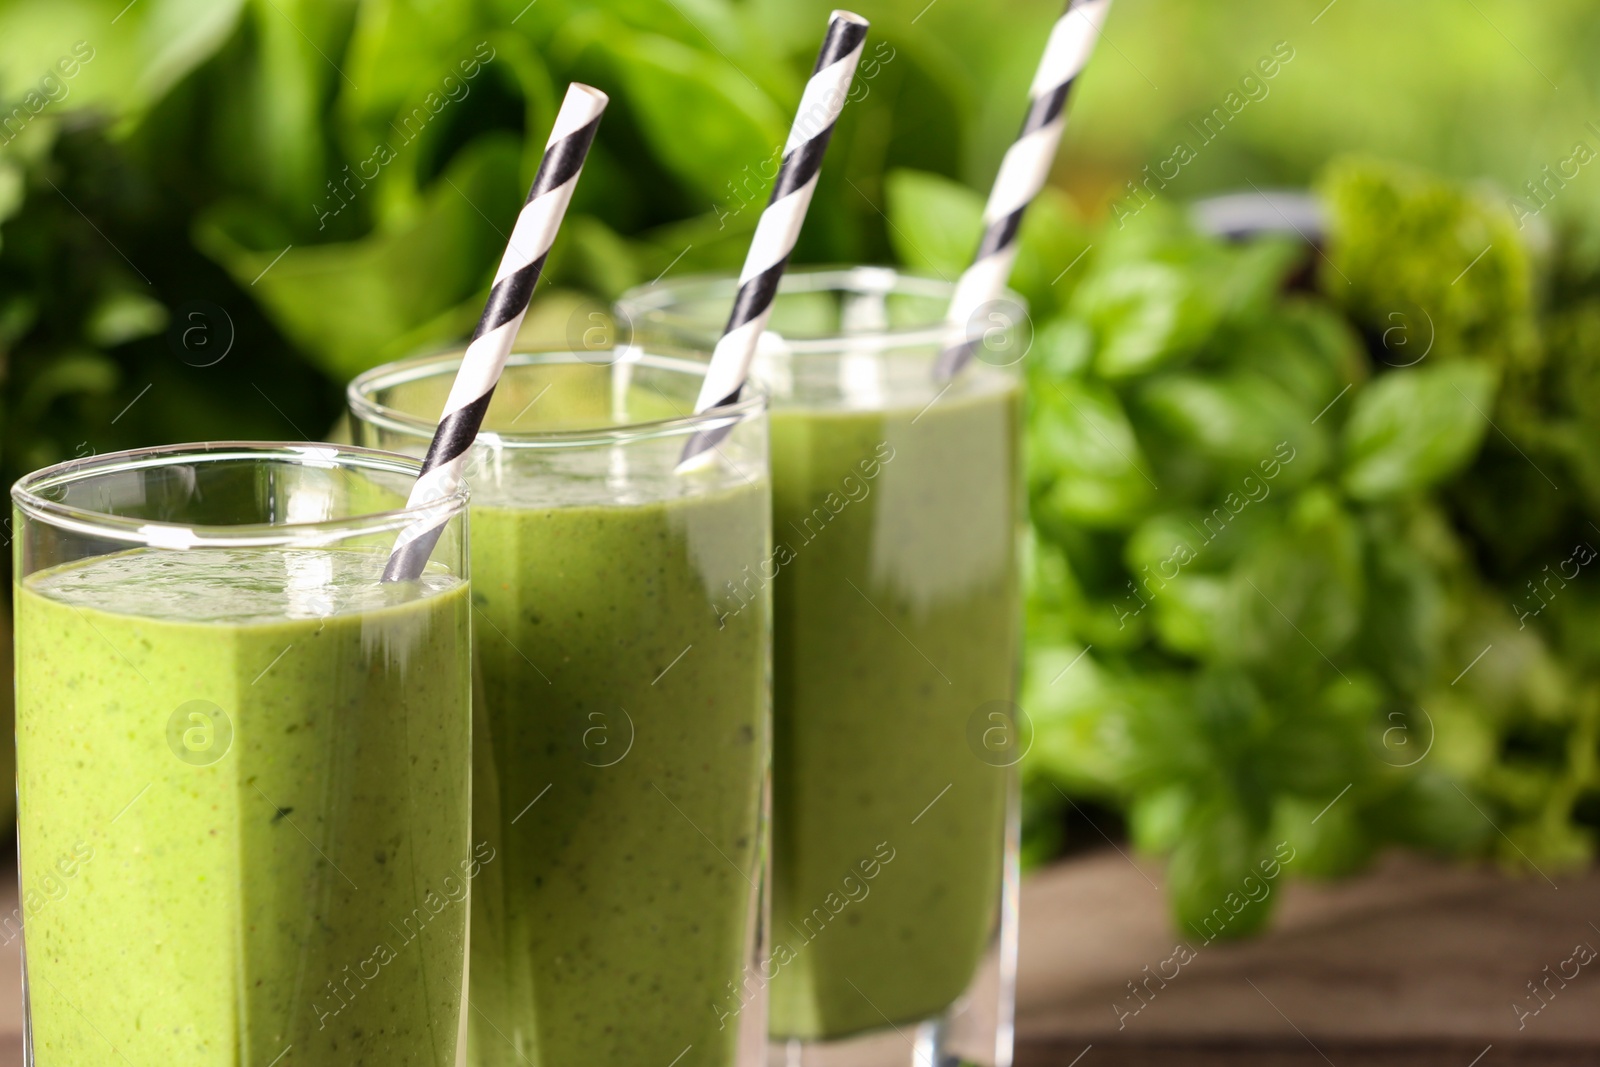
(313, 187)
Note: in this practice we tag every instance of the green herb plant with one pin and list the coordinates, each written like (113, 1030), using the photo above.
(1263, 552)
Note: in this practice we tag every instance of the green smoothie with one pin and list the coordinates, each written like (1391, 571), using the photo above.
(247, 773)
(622, 734)
(896, 618)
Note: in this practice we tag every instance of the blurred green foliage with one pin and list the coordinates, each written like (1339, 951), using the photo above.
(328, 185)
(324, 184)
(1272, 599)
(1492, 89)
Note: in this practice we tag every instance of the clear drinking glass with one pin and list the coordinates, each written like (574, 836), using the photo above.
(897, 514)
(623, 704)
(243, 761)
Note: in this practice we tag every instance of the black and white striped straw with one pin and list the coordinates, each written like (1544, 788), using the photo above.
(491, 343)
(1022, 174)
(780, 223)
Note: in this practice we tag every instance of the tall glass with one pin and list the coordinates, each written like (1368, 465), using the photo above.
(623, 707)
(897, 511)
(243, 761)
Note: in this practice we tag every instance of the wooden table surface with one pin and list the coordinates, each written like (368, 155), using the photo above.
(1413, 964)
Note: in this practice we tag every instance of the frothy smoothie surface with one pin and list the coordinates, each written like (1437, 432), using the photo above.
(243, 780)
(235, 586)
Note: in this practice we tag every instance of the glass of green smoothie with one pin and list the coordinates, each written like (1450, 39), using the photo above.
(244, 763)
(897, 512)
(622, 706)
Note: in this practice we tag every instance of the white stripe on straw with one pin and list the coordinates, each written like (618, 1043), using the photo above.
(486, 354)
(1022, 174)
(780, 223)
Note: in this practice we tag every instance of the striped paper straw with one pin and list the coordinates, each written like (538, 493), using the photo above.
(1022, 174)
(780, 223)
(491, 343)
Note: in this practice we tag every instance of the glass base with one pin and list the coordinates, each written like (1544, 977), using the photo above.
(962, 1037)
(976, 1031)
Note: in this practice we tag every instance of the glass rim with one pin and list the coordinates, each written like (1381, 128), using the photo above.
(653, 302)
(26, 496)
(358, 395)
